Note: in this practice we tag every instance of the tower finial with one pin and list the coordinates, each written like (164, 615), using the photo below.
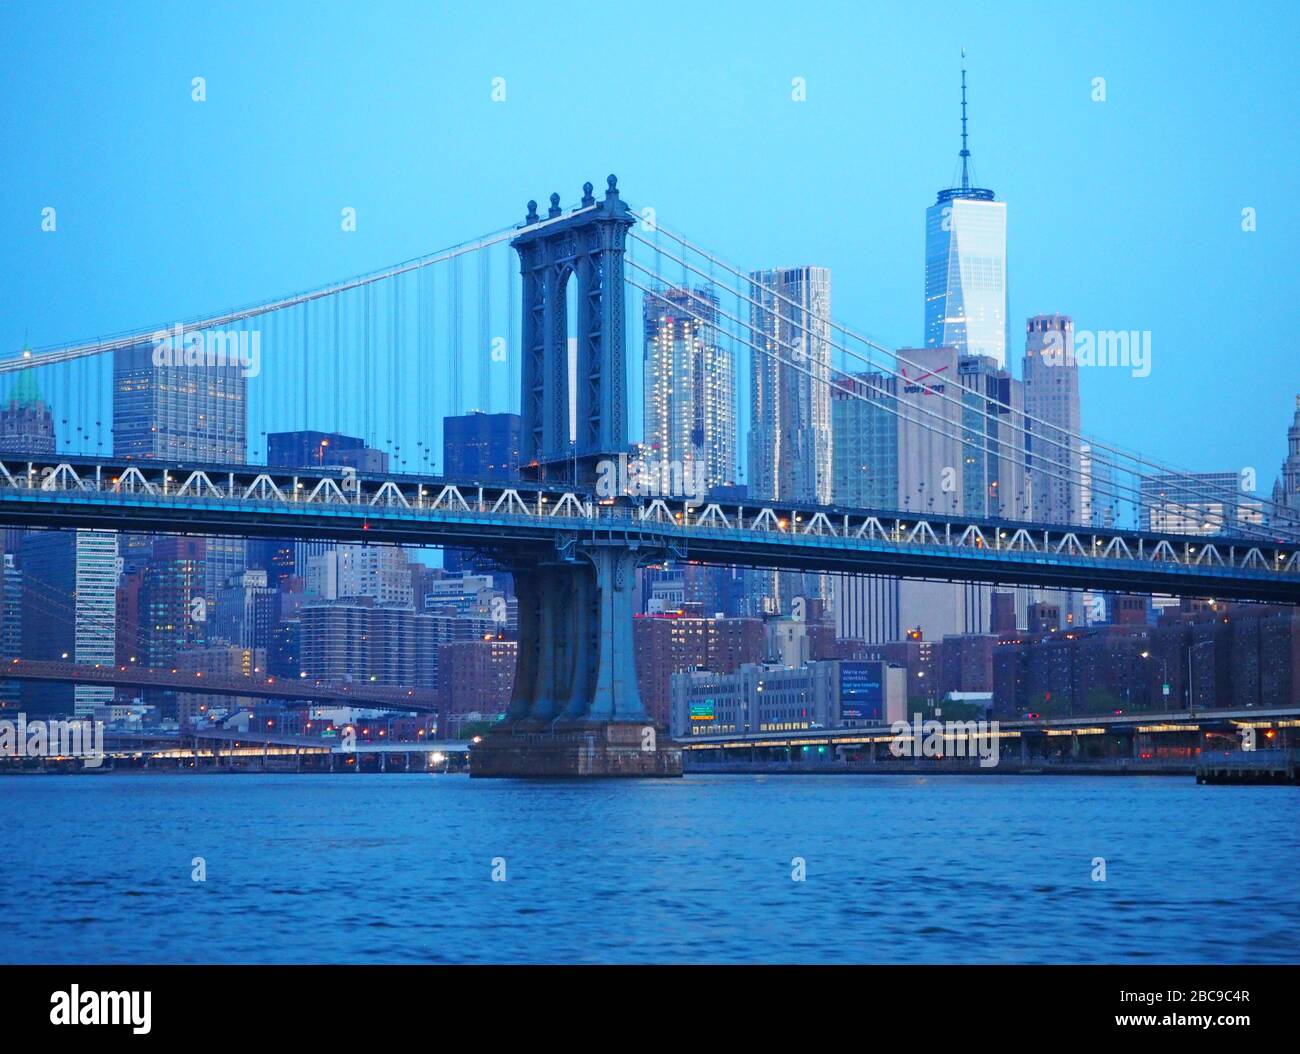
(965, 152)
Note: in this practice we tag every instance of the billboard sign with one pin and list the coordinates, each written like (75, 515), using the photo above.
(862, 691)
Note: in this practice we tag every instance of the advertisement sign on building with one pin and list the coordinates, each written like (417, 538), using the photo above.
(862, 691)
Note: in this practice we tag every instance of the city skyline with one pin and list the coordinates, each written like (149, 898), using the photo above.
(1107, 234)
(469, 477)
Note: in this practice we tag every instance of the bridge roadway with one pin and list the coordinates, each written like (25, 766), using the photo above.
(1086, 724)
(418, 700)
(546, 522)
(123, 743)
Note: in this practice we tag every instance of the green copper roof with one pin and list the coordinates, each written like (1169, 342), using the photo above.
(25, 391)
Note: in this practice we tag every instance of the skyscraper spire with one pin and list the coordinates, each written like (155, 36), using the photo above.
(965, 152)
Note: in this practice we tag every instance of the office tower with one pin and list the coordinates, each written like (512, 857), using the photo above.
(189, 413)
(311, 449)
(1286, 490)
(478, 446)
(932, 404)
(865, 435)
(966, 265)
(69, 611)
(689, 421)
(1050, 377)
(964, 469)
(690, 387)
(174, 607)
(26, 423)
(178, 412)
(1194, 503)
(790, 414)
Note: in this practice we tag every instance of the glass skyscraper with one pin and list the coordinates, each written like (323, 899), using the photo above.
(966, 266)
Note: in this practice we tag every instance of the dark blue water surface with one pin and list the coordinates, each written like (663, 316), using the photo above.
(398, 868)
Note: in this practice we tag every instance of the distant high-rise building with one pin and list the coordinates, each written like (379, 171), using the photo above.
(11, 627)
(910, 444)
(478, 447)
(174, 607)
(244, 613)
(1051, 387)
(866, 467)
(184, 413)
(1098, 503)
(26, 426)
(178, 412)
(993, 473)
(26, 423)
(310, 449)
(690, 386)
(1286, 490)
(966, 329)
(865, 436)
(69, 611)
(1002, 612)
(1195, 503)
(381, 573)
(790, 456)
(966, 265)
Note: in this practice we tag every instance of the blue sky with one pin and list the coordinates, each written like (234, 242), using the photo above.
(1125, 214)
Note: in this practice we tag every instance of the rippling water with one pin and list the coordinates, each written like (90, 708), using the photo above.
(398, 868)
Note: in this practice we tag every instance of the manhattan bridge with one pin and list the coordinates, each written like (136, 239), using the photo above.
(533, 319)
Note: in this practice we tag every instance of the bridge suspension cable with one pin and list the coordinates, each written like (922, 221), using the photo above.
(70, 352)
(1050, 430)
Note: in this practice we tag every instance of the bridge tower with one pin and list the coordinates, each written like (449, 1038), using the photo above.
(579, 255)
(575, 709)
